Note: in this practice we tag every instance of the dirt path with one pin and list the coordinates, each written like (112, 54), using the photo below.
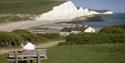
(25, 24)
(22, 25)
(44, 45)
(49, 44)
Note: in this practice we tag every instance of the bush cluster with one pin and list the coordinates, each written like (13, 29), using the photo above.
(113, 34)
(116, 29)
(15, 37)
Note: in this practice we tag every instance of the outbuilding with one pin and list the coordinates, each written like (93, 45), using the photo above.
(89, 30)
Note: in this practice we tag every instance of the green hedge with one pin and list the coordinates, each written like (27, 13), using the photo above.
(95, 38)
(116, 29)
(15, 37)
(113, 34)
(50, 36)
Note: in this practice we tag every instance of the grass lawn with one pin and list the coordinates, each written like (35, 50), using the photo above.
(103, 53)
(3, 58)
(98, 53)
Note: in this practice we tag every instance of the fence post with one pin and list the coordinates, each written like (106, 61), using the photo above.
(38, 57)
(16, 57)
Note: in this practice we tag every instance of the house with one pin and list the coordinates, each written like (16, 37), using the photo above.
(89, 30)
(65, 31)
(77, 29)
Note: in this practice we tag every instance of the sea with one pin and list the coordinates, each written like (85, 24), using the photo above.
(107, 20)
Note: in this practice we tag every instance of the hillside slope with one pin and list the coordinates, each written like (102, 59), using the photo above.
(20, 10)
(27, 6)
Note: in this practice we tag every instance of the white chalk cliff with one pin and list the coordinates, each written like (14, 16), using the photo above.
(65, 11)
(108, 12)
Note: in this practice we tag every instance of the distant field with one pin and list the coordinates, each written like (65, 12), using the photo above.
(15, 10)
(99, 53)
(26, 6)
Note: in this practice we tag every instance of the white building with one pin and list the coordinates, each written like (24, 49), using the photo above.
(89, 30)
(77, 29)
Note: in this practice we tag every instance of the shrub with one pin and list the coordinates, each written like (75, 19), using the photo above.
(7, 38)
(17, 36)
(95, 38)
(116, 29)
(26, 35)
(113, 34)
(50, 36)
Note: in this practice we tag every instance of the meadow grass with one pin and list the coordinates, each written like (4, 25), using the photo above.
(3, 58)
(99, 53)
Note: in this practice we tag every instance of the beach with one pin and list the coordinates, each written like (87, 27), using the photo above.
(22, 25)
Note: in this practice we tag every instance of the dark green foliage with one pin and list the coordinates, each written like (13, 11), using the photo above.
(13, 38)
(17, 36)
(25, 34)
(7, 38)
(50, 35)
(116, 29)
(114, 34)
(95, 38)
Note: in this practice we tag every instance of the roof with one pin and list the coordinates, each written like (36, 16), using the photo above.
(65, 29)
(78, 29)
(89, 29)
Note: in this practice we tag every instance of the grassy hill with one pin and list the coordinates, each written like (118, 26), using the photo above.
(26, 6)
(16, 10)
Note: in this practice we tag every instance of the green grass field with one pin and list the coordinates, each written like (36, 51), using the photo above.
(98, 53)
(3, 58)
(101, 53)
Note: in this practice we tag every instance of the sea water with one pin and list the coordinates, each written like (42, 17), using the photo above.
(108, 20)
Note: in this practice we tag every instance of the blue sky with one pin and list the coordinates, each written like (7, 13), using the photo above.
(114, 5)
